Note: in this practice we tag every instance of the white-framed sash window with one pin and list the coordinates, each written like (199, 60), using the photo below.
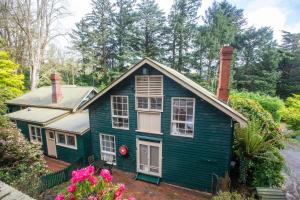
(119, 112)
(66, 140)
(183, 116)
(108, 148)
(149, 93)
(35, 133)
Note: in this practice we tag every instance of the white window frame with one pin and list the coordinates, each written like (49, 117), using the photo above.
(108, 152)
(181, 122)
(147, 131)
(65, 144)
(30, 134)
(148, 144)
(149, 96)
(119, 116)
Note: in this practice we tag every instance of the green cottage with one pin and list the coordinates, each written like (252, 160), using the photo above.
(159, 124)
(50, 116)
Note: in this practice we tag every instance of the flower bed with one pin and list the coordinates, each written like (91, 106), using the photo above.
(86, 185)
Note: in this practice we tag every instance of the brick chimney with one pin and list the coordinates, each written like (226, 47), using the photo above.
(56, 90)
(224, 73)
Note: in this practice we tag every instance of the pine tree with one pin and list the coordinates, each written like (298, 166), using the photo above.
(258, 61)
(182, 23)
(150, 26)
(289, 66)
(124, 17)
(222, 23)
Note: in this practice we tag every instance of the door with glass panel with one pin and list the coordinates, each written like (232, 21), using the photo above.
(149, 157)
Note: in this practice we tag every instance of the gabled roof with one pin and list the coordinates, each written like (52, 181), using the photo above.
(183, 81)
(73, 97)
(77, 123)
(38, 115)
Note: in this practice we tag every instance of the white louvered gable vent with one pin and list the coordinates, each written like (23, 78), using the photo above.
(149, 93)
(149, 86)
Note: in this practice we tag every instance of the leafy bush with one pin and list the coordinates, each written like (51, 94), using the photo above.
(271, 104)
(291, 114)
(256, 146)
(254, 111)
(231, 196)
(21, 162)
(260, 161)
(267, 170)
(86, 185)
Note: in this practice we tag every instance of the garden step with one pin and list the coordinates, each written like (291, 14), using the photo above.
(147, 178)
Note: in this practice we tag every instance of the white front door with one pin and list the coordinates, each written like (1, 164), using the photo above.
(51, 143)
(149, 157)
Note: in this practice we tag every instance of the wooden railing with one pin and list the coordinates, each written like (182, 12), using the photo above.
(56, 178)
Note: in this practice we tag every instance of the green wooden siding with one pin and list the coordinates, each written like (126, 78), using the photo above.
(84, 148)
(23, 126)
(13, 108)
(188, 162)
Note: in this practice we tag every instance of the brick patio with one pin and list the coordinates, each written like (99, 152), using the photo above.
(55, 165)
(147, 191)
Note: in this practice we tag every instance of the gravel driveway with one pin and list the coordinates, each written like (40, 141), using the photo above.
(291, 154)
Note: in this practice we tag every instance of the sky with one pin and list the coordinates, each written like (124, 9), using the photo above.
(277, 14)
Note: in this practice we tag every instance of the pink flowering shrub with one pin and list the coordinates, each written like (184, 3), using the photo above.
(86, 185)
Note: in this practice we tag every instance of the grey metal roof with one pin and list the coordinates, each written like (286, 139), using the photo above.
(73, 96)
(9, 193)
(182, 80)
(37, 115)
(77, 123)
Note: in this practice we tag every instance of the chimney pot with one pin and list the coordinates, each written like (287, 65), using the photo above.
(56, 89)
(224, 73)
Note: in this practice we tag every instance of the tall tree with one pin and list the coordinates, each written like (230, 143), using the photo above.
(289, 66)
(258, 60)
(182, 23)
(150, 30)
(34, 21)
(124, 17)
(222, 23)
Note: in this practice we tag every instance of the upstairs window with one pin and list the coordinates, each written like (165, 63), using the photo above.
(35, 134)
(149, 93)
(183, 115)
(119, 112)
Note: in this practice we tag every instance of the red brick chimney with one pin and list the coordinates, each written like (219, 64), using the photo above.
(224, 73)
(56, 90)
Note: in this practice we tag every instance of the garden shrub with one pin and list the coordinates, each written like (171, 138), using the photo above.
(86, 185)
(231, 196)
(291, 114)
(256, 146)
(21, 162)
(271, 104)
(254, 111)
(267, 170)
(258, 155)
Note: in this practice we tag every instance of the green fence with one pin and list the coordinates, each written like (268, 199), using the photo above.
(56, 178)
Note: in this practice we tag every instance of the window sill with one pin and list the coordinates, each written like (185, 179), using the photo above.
(145, 131)
(127, 129)
(187, 136)
(66, 146)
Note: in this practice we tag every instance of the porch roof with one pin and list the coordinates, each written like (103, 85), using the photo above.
(77, 123)
(38, 115)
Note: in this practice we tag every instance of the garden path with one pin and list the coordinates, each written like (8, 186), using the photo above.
(291, 154)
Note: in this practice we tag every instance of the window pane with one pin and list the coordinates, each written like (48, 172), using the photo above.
(142, 102)
(143, 154)
(61, 138)
(156, 103)
(119, 111)
(70, 140)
